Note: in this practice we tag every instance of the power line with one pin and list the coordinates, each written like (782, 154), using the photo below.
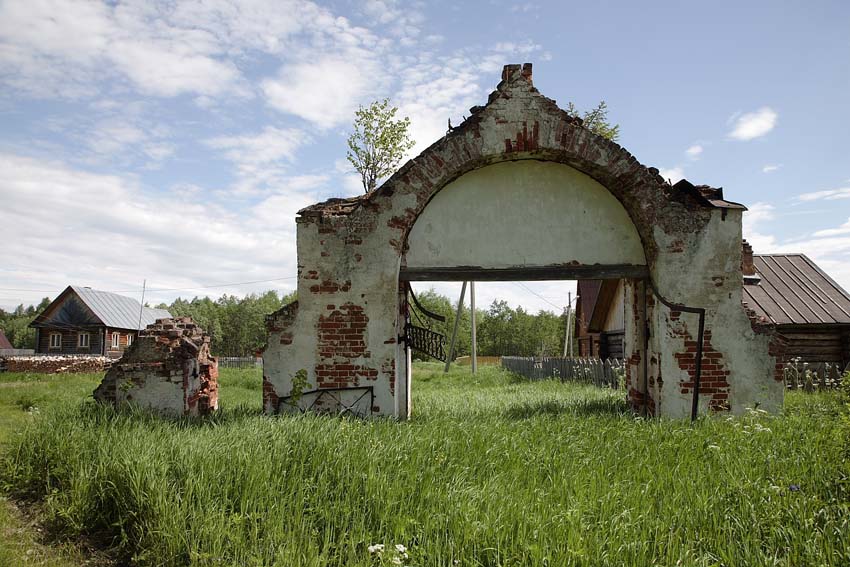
(531, 291)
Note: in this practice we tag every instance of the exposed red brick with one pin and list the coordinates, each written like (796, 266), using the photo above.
(713, 379)
(173, 351)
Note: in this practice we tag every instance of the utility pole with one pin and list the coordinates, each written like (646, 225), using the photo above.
(567, 333)
(451, 355)
(474, 331)
(142, 305)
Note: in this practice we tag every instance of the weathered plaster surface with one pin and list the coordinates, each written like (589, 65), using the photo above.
(345, 330)
(525, 213)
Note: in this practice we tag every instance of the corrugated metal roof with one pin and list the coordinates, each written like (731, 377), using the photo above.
(794, 291)
(117, 310)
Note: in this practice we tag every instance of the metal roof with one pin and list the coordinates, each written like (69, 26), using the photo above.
(117, 310)
(794, 291)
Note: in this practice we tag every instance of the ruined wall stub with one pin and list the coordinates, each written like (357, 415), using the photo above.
(345, 329)
(168, 368)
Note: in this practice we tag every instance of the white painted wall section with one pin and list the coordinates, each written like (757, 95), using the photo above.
(523, 213)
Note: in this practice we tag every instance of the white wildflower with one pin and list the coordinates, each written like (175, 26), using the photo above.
(376, 548)
(400, 548)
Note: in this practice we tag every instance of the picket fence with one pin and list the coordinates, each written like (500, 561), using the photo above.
(239, 362)
(609, 373)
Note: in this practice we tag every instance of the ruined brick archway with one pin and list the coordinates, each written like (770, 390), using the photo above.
(344, 331)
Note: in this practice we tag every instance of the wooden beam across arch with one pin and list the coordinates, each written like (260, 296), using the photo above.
(523, 273)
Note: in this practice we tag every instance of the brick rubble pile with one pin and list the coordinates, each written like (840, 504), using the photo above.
(168, 368)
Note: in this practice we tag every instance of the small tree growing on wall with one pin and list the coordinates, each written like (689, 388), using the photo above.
(596, 120)
(378, 142)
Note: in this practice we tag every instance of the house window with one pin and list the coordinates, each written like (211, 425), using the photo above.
(83, 339)
(55, 340)
(130, 339)
(116, 340)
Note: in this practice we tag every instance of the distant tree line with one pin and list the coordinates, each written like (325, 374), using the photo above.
(502, 329)
(237, 324)
(15, 323)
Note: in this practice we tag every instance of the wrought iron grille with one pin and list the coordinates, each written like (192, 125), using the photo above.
(332, 399)
(427, 342)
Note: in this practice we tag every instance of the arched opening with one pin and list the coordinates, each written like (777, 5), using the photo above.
(521, 190)
(523, 220)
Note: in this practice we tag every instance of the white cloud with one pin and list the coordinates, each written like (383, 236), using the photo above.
(352, 184)
(843, 229)
(770, 167)
(106, 231)
(756, 215)
(327, 91)
(269, 146)
(117, 133)
(260, 159)
(754, 124)
(66, 47)
(401, 20)
(673, 174)
(828, 195)
(694, 151)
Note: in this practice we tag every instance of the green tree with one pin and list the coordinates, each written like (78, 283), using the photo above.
(236, 325)
(378, 142)
(15, 324)
(596, 120)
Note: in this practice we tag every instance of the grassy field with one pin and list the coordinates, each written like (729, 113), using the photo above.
(491, 471)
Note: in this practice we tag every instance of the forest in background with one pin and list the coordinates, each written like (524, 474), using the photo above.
(237, 324)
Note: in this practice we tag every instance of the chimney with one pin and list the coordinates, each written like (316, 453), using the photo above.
(509, 72)
(748, 268)
(526, 72)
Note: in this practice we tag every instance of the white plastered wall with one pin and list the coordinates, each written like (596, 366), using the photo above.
(523, 213)
(709, 276)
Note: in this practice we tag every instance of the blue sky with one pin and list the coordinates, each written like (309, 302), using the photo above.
(175, 141)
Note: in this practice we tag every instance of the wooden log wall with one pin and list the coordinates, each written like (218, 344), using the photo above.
(70, 341)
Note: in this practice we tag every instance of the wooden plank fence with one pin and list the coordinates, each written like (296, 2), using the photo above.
(813, 376)
(17, 352)
(609, 373)
(799, 375)
(239, 362)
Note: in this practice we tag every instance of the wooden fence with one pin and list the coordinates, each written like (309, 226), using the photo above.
(610, 373)
(17, 352)
(812, 376)
(239, 362)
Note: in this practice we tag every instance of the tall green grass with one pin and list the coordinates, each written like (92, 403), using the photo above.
(490, 471)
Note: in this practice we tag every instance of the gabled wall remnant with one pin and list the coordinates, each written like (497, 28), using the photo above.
(539, 163)
(168, 368)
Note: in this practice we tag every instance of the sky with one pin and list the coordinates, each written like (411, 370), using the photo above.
(174, 142)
